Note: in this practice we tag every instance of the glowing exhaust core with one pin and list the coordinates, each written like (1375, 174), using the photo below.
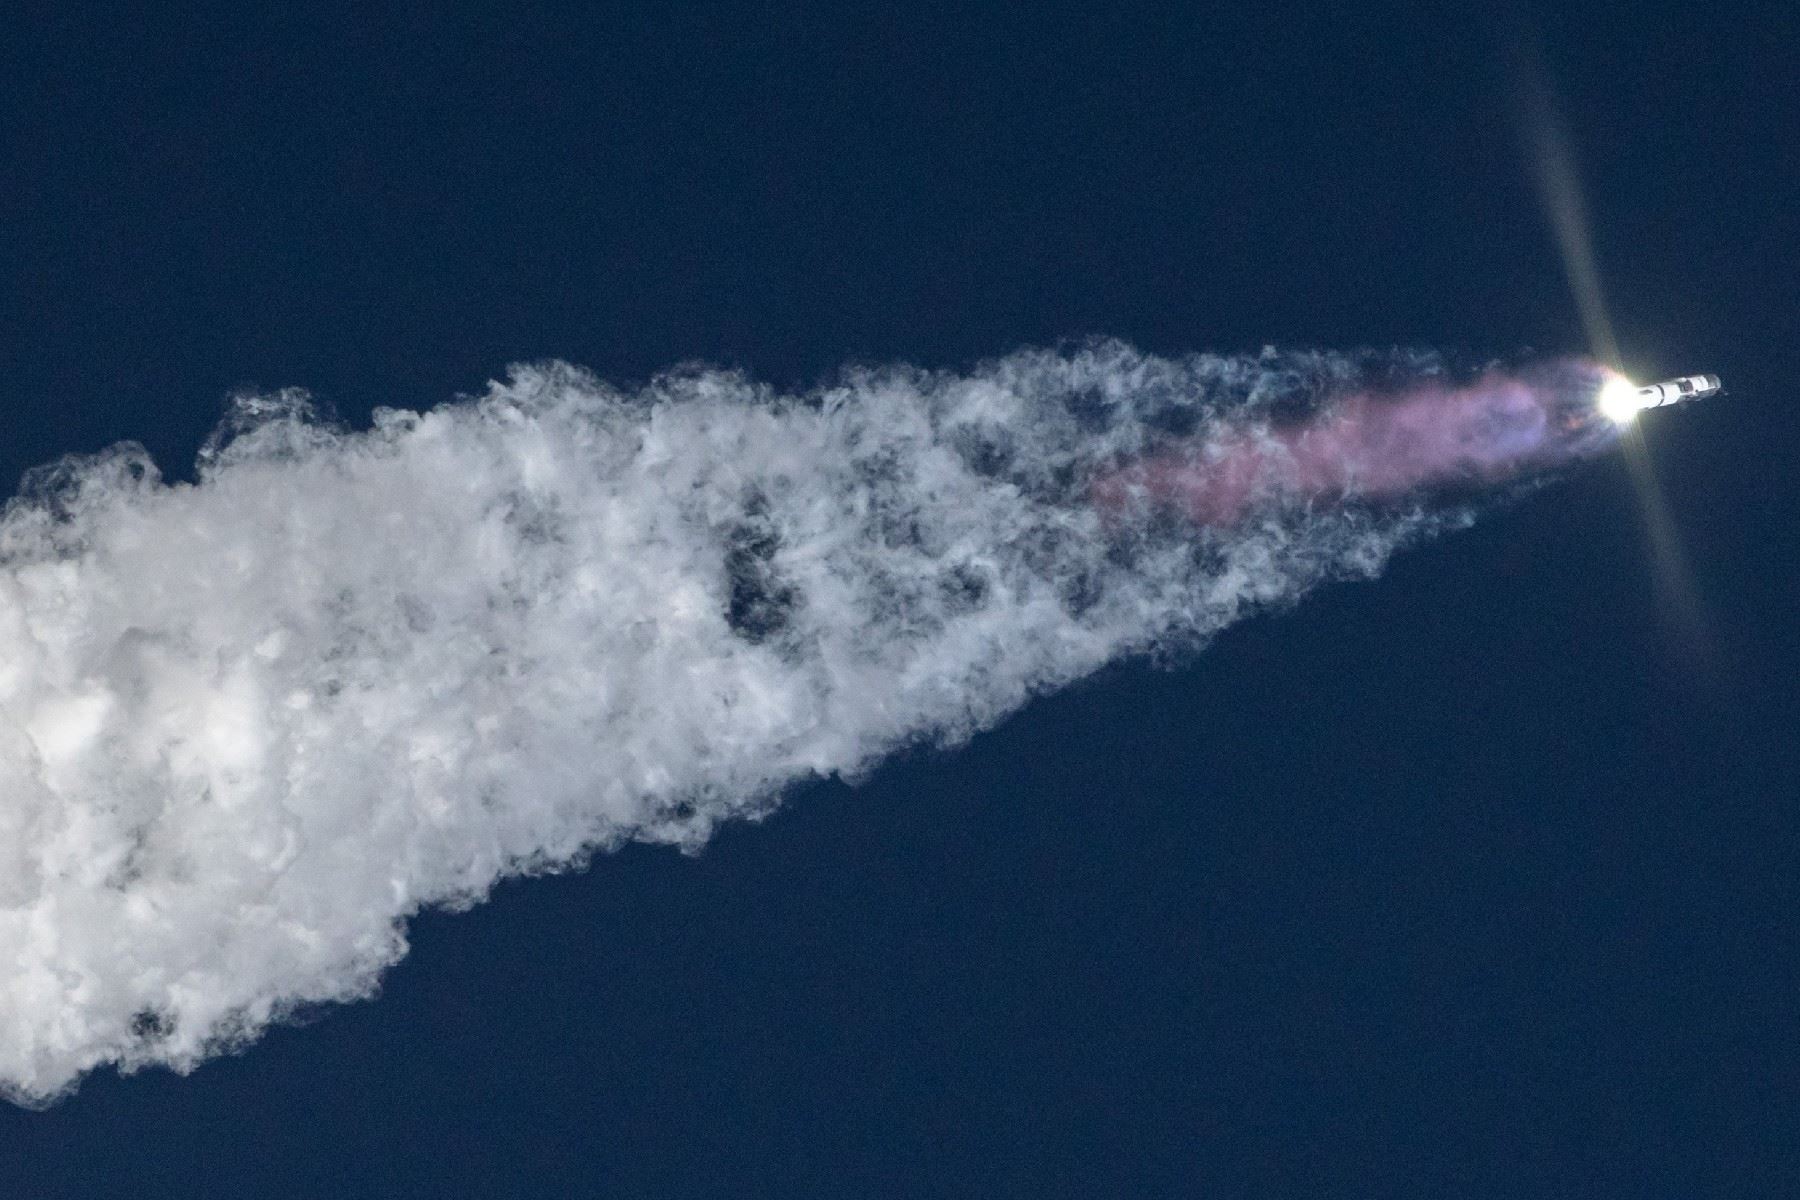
(1619, 400)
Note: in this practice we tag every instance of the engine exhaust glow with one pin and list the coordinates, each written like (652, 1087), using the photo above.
(1620, 400)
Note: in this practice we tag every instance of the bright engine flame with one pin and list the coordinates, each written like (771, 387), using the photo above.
(1619, 400)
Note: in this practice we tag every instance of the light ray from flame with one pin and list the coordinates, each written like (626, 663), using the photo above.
(1550, 157)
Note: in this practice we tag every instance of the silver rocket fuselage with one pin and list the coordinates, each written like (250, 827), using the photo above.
(1673, 391)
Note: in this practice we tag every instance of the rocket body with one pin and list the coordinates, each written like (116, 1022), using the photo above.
(1674, 391)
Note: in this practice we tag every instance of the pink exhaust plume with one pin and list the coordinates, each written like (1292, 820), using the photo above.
(1373, 446)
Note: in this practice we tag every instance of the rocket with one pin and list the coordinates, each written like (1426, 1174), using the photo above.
(1622, 400)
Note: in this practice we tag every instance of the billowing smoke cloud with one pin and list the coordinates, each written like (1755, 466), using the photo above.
(249, 726)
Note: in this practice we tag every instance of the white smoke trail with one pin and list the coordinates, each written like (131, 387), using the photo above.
(249, 726)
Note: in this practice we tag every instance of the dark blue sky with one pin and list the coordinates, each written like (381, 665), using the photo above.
(1476, 880)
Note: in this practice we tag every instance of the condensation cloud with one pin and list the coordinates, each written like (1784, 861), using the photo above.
(248, 726)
